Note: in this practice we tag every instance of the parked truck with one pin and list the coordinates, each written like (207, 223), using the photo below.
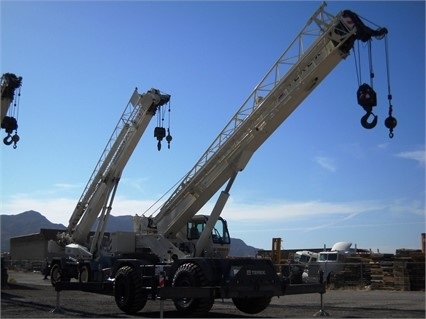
(175, 253)
(332, 262)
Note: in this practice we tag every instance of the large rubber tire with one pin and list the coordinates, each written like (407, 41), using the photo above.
(56, 274)
(129, 294)
(252, 305)
(190, 275)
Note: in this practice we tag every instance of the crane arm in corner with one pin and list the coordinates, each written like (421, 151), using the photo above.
(10, 85)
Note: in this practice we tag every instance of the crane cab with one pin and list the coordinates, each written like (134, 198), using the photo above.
(215, 243)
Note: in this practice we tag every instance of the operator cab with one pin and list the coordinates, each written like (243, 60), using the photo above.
(218, 241)
(220, 234)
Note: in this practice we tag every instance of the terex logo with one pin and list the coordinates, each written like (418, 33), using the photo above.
(255, 272)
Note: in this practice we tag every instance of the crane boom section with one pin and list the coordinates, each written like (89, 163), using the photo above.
(104, 179)
(9, 83)
(291, 79)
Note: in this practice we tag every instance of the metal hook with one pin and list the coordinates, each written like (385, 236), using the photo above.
(366, 124)
(7, 141)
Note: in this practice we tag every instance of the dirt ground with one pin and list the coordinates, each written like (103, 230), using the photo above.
(29, 296)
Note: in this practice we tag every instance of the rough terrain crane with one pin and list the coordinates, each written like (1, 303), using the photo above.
(95, 204)
(183, 256)
(10, 91)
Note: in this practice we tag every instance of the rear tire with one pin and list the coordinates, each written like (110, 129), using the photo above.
(129, 294)
(252, 305)
(191, 275)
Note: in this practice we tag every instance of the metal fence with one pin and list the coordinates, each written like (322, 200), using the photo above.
(25, 265)
(392, 275)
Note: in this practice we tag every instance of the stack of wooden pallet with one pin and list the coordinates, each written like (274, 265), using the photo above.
(401, 276)
(405, 271)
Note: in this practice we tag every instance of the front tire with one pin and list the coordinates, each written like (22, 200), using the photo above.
(252, 305)
(129, 294)
(57, 274)
(191, 275)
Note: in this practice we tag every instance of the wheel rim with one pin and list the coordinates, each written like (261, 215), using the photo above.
(55, 274)
(122, 292)
(184, 302)
(84, 274)
(191, 275)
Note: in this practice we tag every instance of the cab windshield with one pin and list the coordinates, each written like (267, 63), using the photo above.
(220, 234)
(328, 257)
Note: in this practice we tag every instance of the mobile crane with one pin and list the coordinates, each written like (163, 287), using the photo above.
(183, 256)
(10, 91)
(95, 203)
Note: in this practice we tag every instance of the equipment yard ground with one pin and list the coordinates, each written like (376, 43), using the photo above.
(28, 295)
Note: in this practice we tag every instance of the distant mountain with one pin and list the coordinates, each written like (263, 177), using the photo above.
(118, 223)
(240, 249)
(30, 222)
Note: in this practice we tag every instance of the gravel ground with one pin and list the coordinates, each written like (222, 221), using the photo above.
(29, 296)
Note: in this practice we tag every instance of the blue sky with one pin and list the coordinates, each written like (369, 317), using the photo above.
(321, 178)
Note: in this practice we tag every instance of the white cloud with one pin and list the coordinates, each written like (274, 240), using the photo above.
(139, 184)
(125, 206)
(59, 210)
(419, 156)
(56, 210)
(326, 162)
(298, 210)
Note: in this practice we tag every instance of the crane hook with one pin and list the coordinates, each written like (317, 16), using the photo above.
(365, 123)
(367, 98)
(8, 140)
